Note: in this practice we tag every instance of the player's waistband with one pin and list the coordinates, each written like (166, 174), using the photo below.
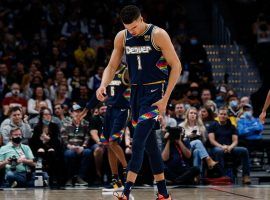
(151, 83)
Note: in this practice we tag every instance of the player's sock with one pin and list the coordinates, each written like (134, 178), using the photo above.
(162, 189)
(127, 188)
(124, 174)
(115, 176)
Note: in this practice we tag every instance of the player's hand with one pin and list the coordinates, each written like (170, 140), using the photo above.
(161, 104)
(262, 117)
(101, 93)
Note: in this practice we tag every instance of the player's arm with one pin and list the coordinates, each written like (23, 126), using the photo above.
(163, 41)
(266, 105)
(112, 66)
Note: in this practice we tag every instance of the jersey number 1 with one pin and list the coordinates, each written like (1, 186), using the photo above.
(139, 62)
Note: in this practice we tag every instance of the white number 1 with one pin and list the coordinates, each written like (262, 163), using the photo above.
(139, 62)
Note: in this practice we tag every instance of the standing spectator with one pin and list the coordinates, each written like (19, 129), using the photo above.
(224, 138)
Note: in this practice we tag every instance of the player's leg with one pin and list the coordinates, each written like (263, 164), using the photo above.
(156, 164)
(117, 131)
(140, 136)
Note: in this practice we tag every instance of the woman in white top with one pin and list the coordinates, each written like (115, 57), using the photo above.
(196, 132)
(33, 103)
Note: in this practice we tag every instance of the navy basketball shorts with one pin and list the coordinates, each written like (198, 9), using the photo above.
(114, 124)
(144, 120)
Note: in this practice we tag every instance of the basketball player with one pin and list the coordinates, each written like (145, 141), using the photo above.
(148, 50)
(266, 105)
(114, 123)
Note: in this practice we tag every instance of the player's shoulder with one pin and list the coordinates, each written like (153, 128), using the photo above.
(157, 31)
(120, 37)
(121, 34)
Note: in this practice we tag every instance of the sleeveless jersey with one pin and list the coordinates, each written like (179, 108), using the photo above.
(118, 91)
(145, 61)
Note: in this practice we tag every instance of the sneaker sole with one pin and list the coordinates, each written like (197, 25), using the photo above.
(113, 189)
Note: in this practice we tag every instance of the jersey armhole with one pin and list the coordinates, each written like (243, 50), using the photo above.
(152, 39)
(124, 39)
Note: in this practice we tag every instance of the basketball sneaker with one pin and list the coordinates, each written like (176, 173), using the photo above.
(120, 196)
(116, 185)
(161, 197)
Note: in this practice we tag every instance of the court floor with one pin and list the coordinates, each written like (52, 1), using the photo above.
(261, 192)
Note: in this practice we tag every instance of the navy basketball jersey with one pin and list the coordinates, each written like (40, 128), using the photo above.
(145, 61)
(119, 91)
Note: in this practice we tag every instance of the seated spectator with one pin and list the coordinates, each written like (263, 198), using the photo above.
(14, 100)
(77, 155)
(34, 121)
(176, 155)
(46, 145)
(211, 104)
(4, 78)
(61, 97)
(224, 138)
(196, 132)
(179, 113)
(168, 118)
(54, 89)
(221, 95)
(15, 121)
(84, 55)
(193, 97)
(59, 113)
(16, 158)
(205, 96)
(33, 108)
(243, 101)
(250, 132)
(96, 128)
(207, 115)
(233, 108)
(249, 127)
(74, 82)
(94, 81)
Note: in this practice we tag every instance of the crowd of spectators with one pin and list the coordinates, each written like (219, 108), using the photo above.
(51, 67)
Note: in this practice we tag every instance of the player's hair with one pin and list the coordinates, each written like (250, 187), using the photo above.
(129, 14)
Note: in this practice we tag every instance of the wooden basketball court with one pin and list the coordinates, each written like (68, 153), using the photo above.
(261, 192)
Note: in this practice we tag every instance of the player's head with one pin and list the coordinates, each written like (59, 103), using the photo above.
(132, 19)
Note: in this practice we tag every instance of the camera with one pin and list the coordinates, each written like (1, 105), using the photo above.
(13, 163)
(175, 132)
